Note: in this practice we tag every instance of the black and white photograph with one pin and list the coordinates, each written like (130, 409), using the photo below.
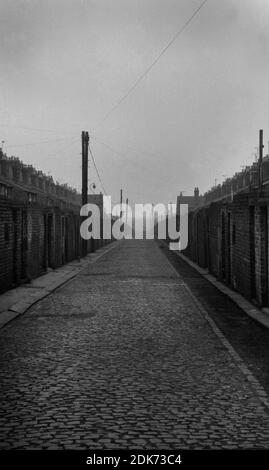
(134, 232)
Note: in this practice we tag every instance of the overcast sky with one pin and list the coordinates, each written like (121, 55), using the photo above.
(194, 118)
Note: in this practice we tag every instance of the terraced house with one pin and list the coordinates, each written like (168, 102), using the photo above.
(228, 231)
(39, 223)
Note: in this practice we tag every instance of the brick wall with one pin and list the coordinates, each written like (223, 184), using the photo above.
(240, 245)
(6, 244)
(230, 238)
(39, 223)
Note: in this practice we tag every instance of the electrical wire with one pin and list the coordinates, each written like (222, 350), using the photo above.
(37, 143)
(74, 141)
(97, 172)
(9, 126)
(132, 149)
(136, 164)
(144, 74)
(123, 98)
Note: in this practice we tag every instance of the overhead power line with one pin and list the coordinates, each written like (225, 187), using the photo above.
(134, 150)
(97, 171)
(121, 154)
(39, 142)
(59, 152)
(56, 131)
(132, 162)
(174, 38)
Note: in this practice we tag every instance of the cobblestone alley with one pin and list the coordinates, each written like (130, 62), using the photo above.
(123, 357)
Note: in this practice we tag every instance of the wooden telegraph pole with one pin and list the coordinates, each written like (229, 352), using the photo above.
(121, 203)
(85, 146)
(260, 159)
(84, 192)
(127, 202)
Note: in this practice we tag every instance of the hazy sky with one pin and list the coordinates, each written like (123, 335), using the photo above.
(195, 117)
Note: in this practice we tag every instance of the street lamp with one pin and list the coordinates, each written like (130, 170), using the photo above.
(92, 187)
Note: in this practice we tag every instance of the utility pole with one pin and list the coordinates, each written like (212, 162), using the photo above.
(85, 146)
(84, 192)
(121, 203)
(260, 159)
(127, 201)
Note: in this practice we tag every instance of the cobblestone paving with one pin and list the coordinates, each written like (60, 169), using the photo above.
(121, 358)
